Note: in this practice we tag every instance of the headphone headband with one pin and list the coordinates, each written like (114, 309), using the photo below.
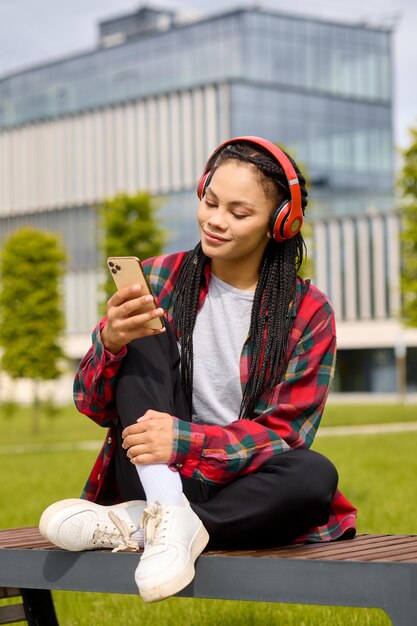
(288, 217)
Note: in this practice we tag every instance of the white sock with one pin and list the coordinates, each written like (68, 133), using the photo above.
(162, 484)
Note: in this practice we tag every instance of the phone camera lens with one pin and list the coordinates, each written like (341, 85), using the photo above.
(118, 267)
(111, 264)
(113, 271)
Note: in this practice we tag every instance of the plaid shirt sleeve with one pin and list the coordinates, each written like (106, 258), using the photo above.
(288, 419)
(94, 381)
(95, 378)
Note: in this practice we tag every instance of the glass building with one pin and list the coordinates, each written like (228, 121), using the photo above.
(145, 108)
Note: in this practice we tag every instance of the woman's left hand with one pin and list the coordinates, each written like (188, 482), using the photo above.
(151, 439)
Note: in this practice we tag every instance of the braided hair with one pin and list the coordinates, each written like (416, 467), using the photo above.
(274, 295)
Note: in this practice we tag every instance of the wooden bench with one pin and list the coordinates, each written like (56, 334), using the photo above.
(375, 571)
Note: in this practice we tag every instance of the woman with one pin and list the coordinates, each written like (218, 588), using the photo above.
(213, 447)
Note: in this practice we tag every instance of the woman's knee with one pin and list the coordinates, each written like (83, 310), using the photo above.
(313, 476)
(321, 476)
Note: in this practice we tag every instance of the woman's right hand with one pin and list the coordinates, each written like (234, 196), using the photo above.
(126, 318)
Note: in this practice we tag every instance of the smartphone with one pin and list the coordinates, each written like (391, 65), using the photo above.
(126, 271)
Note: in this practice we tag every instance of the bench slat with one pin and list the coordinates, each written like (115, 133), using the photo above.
(355, 550)
(395, 548)
(9, 592)
(12, 613)
(363, 547)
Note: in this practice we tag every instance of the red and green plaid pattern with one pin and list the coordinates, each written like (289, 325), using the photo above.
(287, 418)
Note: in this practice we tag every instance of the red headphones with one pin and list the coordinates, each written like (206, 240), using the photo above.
(287, 218)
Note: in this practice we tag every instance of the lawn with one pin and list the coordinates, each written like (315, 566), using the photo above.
(352, 414)
(377, 473)
(57, 424)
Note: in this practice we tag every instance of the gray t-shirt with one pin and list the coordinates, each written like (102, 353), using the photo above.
(220, 332)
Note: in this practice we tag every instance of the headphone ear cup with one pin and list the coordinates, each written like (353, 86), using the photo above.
(285, 224)
(279, 217)
(202, 184)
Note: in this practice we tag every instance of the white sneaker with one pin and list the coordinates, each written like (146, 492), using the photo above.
(77, 524)
(174, 538)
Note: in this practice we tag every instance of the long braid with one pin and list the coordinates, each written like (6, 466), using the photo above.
(186, 292)
(274, 295)
(271, 310)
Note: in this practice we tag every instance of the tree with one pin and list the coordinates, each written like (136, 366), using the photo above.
(408, 189)
(31, 315)
(130, 228)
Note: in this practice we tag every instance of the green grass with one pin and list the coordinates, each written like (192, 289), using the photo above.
(77, 609)
(59, 424)
(377, 473)
(352, 414)
(37, 481)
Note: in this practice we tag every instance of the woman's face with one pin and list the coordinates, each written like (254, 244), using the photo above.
(234, 215)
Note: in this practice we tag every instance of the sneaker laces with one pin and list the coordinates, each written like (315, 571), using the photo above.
(119, 535)
(154, 523)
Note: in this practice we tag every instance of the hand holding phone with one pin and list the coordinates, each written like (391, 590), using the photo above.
(140, 320)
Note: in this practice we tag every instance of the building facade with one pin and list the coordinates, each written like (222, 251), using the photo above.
(145, 108)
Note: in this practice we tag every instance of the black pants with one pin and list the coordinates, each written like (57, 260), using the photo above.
(288, 495)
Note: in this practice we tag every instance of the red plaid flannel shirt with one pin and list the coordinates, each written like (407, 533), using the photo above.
(288, 418)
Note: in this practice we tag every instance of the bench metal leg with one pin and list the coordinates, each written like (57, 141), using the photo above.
(39, 607)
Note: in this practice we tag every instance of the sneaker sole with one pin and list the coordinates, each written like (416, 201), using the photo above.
(171, 587)
(55, 508)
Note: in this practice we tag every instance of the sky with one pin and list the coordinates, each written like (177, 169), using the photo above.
(34, 31)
